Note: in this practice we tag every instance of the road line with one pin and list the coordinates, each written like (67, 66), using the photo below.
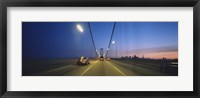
(119, 70)
(87, 69)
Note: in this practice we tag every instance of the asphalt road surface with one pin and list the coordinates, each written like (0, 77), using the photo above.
(101, 68)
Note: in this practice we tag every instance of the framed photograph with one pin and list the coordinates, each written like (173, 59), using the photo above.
(85, 48)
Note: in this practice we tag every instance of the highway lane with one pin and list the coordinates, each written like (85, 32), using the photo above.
(101, 68)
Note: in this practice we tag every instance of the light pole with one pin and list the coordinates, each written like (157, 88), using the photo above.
(113, 42)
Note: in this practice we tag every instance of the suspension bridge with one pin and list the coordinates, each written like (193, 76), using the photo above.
(85, 44)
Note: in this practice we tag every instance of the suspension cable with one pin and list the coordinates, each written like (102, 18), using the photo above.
(92, 39)
(111, 38)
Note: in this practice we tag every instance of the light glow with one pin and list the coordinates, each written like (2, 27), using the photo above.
(113, 42)
(79, 27)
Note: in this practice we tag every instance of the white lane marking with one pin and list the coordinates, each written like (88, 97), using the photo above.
(87, 69)
(119, 70)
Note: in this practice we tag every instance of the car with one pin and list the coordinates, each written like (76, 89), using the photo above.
(83, 61)
(108, 59)
(171, 68)
(101, 58)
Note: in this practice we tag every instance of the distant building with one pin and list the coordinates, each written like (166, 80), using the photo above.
(136, 57)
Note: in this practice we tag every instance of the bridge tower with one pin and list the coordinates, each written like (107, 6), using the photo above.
(101, 52)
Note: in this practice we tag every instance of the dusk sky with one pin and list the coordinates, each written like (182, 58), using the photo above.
(64, 40)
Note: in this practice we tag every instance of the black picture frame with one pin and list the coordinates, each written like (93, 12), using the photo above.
(100, 3)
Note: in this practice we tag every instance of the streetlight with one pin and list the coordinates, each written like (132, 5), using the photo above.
(79, 27)
(113, 42)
